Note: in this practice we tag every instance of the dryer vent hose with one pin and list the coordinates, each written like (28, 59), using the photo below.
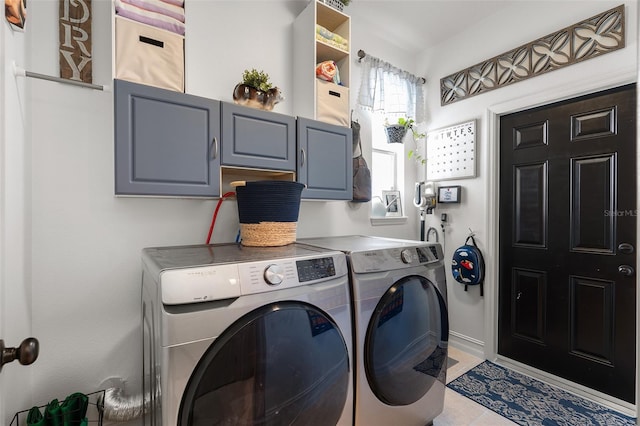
(120, 408)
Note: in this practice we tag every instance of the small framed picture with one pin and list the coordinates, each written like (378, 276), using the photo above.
(449, 194)
(392, 203)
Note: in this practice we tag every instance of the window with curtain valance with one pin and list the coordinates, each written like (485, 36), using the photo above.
(391, 91)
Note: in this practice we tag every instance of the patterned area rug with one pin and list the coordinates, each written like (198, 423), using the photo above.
(528, 401)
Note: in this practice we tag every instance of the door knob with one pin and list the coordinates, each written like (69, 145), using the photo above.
(625, 248)
(26, 353)
(626, 270)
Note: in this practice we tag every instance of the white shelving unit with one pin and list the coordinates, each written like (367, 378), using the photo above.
(308, 52)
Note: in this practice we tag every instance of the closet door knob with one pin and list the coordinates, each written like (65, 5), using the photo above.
(26, 353)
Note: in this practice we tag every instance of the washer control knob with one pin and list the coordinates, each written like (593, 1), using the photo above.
(406, 256)
(273, 274)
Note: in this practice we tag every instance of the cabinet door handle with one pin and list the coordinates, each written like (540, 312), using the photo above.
(303, 157)
(214, 148)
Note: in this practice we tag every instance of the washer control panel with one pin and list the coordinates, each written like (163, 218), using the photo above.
(395, 258)
(226, 281)
(316, 269)
(406, 256)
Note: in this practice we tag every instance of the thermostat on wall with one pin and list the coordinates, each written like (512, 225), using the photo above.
(449, 194)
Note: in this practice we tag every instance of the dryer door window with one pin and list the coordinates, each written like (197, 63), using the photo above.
(406, 343)
(283, 364)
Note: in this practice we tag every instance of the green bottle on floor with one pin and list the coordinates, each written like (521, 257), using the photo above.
(35, 417)
(74, 409)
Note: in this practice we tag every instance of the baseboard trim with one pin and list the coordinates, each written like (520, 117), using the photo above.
(467, 344)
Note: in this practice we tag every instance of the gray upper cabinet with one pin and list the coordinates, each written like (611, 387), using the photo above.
(325, 162)
(170, 143)
(166, 142)
(257, 139)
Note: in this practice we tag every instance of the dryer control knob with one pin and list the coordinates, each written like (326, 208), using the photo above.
(406, 256)
(273, 274)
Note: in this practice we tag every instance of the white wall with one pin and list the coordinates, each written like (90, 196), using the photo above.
(82, 244)
(232, 42)
(518, 23)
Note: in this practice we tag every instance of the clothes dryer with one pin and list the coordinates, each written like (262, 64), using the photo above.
(401, 328)
(237, 335)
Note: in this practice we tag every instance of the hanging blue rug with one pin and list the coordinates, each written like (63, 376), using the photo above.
(528, 401)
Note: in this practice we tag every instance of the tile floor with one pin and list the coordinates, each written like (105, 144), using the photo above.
(459, 410)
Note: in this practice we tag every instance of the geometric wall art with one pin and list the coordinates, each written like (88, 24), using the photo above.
(451, 152)
(587, 39)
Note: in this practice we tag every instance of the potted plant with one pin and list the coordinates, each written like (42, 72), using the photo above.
(257, 79)
(256, 91)
(337, 4)
(397, 131)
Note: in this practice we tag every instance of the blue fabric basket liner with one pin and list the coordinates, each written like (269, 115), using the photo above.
(269, 201)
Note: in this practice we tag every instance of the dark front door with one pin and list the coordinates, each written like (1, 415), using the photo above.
(568, 240)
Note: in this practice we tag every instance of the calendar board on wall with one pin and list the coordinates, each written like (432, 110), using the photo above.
(451, 152)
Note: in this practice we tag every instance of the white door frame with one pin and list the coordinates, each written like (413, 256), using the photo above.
(15, 222)
(3, 319)
(492, 136)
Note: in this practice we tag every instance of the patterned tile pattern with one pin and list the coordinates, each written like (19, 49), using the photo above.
(592, 37)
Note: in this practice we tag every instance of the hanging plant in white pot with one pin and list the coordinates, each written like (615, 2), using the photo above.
(397, 131)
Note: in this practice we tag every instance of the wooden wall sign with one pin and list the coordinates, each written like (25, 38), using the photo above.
(74, 36)
(587, 39)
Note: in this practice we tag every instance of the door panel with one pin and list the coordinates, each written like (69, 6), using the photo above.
(592, 319)
(530, 213)
(592, 193)
(567, 204)
(166, 142)
(527, 322)
(325, 160)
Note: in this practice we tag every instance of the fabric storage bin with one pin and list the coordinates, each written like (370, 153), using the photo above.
(149, 55)
(332, 103)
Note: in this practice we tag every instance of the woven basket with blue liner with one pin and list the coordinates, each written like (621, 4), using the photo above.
(268, 212)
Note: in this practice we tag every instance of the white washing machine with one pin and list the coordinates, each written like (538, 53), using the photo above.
(401, 328)
(238, 335)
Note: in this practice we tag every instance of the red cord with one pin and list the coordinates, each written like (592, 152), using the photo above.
(215, 213)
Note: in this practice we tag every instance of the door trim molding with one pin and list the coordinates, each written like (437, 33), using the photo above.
(492, 136)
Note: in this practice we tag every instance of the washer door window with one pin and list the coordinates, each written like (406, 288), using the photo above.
(283, 364)
(406, 343)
